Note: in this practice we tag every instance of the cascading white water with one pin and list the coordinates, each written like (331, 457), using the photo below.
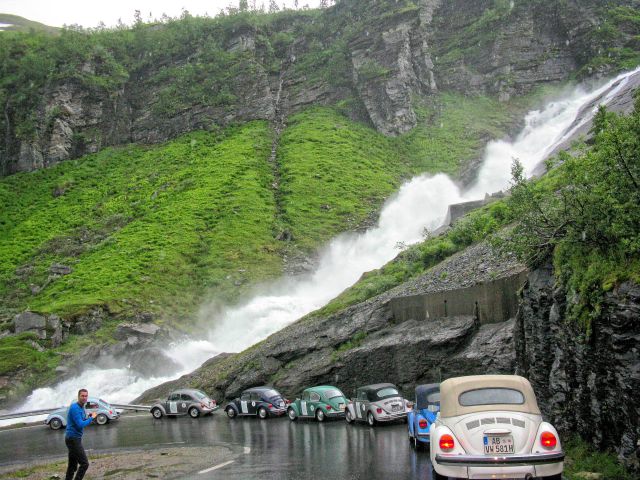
(421, 203)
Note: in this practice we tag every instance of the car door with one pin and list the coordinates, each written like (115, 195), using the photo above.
(172, 404)
(245, 401)
(185, 401)
(314, 403)
(254, 403)
(91, 407)
(304, 404)
(362, 402)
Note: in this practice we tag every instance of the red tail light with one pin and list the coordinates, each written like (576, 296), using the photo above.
(110, 412)
(270, 405)
(379, 410)
(213, 402)
(446, 442)
(288, 402)
(328, 407)
(422, 423)
(203, 405)
(548, 440)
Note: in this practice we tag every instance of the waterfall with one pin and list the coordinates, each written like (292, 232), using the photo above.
(420, 203)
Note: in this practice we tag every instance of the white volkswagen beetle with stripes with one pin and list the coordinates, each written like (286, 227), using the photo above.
(490, 426)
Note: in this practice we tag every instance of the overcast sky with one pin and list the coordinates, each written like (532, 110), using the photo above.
(89, 13)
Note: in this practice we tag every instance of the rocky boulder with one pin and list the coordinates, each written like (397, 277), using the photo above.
(30, 322)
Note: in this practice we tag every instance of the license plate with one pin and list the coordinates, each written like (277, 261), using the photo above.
(342, 406)
(498, 444)
(395, 408)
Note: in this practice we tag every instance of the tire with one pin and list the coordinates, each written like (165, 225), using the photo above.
(231, 412)
(348, 417)
(291, 413)
(102, 419)
(157, 413)
(320, 416)
(371, 420)
(417, 445)
(194, 412)
(263, 413)
(55, 424)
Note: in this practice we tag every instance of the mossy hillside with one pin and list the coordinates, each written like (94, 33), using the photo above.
(141, 225)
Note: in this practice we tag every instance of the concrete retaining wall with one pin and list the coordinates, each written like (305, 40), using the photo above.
(491, 302)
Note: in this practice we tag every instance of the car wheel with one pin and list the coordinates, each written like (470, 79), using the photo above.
(292, 414)
(417, 444)
(320, 416)
(194, 412)
(348, 417)
(157, 413)
(371, 420)
(102, 419)
(231, 412)
(262, 413)
(55, 424)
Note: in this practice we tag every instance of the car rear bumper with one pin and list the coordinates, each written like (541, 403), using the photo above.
(207, 410)
(504, 460)
(390, 417)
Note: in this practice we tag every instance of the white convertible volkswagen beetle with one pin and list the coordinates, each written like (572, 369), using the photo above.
(490, 426)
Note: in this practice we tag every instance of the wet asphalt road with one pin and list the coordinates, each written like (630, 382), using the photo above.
(270, 449)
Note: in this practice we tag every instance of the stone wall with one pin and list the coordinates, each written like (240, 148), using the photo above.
(491, 302)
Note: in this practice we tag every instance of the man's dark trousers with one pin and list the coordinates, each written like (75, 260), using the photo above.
(77, 456)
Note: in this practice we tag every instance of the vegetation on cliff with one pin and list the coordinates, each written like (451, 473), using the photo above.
(586, 214)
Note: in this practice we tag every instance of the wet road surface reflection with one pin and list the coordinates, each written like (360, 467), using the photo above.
(277, 448)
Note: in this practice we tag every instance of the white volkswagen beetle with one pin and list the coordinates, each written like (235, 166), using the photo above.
(490, 426)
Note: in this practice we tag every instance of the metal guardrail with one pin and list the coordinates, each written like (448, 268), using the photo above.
(33, 413)
(144, 408)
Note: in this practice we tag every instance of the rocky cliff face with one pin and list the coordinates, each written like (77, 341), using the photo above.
(587, 383)
(394, 55)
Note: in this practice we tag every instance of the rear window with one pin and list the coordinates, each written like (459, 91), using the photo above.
(332, 394)
(491, 396)
(387, 392)
(270, 394)
(199, 395)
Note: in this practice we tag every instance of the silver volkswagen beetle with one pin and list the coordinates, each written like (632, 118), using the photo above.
(380, 402)
(104, 413)
(187, 401)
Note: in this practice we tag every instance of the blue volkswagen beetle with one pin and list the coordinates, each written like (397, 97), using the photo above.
(105, 413)
(423, 413)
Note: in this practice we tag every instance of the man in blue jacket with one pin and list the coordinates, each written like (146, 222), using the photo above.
(76, 421)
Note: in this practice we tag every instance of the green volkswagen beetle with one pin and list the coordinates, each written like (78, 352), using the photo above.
(319, 402)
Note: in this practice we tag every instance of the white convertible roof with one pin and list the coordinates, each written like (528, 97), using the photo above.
(453, 388)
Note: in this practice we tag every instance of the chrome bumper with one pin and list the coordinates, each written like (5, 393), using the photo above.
(504, 460)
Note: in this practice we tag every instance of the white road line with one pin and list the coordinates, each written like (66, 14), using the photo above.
(247, 449)
(216, 467)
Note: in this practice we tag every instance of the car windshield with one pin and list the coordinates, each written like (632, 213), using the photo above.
(332, 394)
(491, 396)
(271, 394)
(387, 392)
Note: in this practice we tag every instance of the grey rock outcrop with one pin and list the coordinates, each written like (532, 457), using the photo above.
(366, 343)
(393, 56)
(30, 322)
(588, 382)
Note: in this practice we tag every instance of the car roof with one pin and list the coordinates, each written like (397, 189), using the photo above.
(451, 389)
(423, 391)
(375, 387)
(260, 389)
(187, 390)
(322, 388)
